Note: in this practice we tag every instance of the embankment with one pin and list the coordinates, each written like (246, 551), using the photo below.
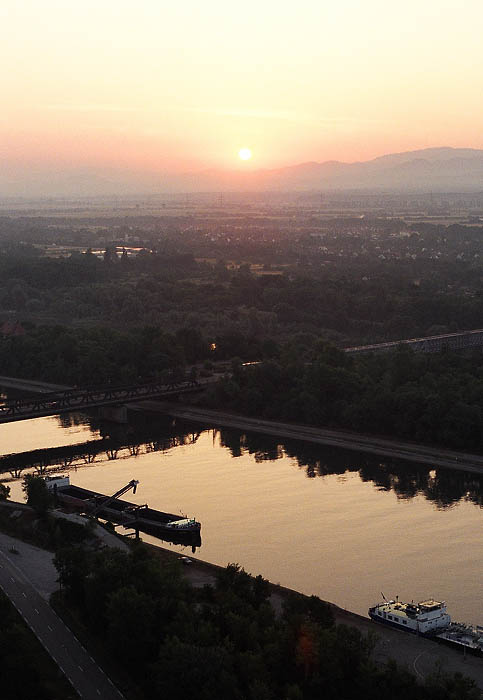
(346, 439)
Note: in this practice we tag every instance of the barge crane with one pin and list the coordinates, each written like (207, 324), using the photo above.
(167, 526)
(102, 504)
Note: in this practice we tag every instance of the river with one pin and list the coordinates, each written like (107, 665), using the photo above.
(340, 525)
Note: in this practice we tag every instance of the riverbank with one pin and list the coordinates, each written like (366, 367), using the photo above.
(437, 457)
(346, 439)
(422, 656)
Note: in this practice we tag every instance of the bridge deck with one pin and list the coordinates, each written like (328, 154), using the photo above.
(433, 343)
(53, 403)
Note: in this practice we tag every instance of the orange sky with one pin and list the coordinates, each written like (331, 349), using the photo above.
(183, 86)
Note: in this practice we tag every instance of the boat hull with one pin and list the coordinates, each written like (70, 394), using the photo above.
(129, 515)
(395, 625)
(458, 644)
(463, 637)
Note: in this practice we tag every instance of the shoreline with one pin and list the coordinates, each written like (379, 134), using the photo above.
(345, 439)
(422, 656)
(341, 438)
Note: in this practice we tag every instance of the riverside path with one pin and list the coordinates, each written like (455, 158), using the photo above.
(345, 439)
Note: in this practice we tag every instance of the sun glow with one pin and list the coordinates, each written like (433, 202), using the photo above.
(245, 153)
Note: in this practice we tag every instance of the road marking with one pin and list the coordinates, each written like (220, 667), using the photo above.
(98, 691)
(24, 595)
(80, 667)
(36, 611)
(415, 661)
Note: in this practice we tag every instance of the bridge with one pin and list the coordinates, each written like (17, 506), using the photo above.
(63, 401)
(435, 343)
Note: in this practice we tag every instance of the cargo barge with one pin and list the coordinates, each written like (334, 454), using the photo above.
(141, 518)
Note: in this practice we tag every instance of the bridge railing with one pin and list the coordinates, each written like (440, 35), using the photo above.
(433, 343)
(76, 398)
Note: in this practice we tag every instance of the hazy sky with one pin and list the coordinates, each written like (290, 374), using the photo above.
(184, 85)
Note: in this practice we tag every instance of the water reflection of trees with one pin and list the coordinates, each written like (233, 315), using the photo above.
(73, 420)
(108, 441)
(443, 487)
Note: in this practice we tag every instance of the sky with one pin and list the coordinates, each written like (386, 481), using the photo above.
(183, 86)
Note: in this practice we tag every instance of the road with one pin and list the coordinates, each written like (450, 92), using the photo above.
(337, 438)
(89, 681)
(31, 385)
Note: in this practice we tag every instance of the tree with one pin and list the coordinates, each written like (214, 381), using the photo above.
(38, 496)
(110, 255)
(109, 570)
(72, 563)
(235, 579)
(132, 629)
(4, 492)
(185, 670)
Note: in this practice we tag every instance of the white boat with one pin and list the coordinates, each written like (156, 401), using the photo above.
(429, 619)
(183, 524)
(426, 618)
(56, 482)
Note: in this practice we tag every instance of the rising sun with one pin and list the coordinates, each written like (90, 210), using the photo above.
(245, 153)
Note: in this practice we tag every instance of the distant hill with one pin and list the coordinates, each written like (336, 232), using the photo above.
(430, 169)
(437, 169)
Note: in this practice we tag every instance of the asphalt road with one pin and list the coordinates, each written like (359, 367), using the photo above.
(89, 681)
(30, 385)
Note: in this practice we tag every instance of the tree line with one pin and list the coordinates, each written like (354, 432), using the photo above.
(225, 640)
(432, 398)
(351, 301)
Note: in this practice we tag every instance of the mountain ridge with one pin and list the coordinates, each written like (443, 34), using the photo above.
(437, 169)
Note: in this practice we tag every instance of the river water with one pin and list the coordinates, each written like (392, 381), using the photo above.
(341, 525)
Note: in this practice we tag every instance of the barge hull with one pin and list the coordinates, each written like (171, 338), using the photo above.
(129, 515)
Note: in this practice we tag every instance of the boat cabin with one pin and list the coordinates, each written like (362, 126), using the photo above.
(425, 617)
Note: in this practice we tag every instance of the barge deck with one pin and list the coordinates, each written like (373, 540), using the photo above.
(167, 526)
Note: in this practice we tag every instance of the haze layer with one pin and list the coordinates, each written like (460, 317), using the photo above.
(155, 87)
